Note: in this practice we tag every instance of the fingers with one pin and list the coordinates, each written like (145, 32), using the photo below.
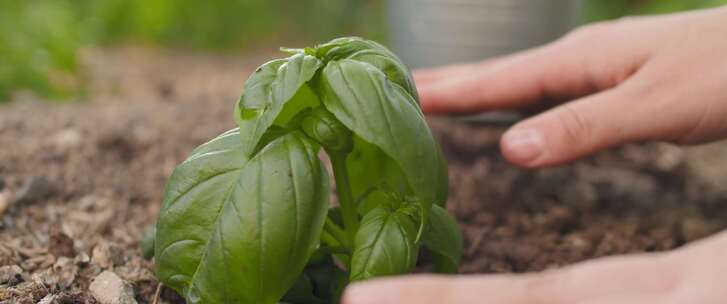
(601, 280)
(644, 274)
(427, 289)
(632, 299)
(510, 82)
(579, 128)
(423, 77)
(653, 104)
(594, 58)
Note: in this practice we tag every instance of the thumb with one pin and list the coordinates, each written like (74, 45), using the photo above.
(577, 129)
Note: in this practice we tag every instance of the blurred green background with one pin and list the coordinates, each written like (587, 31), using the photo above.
(596, 10)
(40, 39)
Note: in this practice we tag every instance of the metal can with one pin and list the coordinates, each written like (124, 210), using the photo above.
(436, 32)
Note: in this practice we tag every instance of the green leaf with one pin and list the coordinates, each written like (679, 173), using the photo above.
(271, 134)
(444, 240)
(306, 98)
(372, 53)
(268, 90)
(384, 245)
(233, 230)
(323, 48)
(382, 113)
(324, 128)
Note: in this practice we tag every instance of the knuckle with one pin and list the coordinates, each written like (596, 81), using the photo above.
(602, 30)
(576, 128)
(646, 85)
(696, 128)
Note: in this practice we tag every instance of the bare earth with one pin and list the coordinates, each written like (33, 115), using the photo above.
(81, 182)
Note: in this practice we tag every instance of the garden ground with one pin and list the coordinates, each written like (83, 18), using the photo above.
(81, 182)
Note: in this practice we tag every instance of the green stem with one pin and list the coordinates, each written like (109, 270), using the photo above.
(345, 197)
(335, 232)
(334, 245)
(329, 240)
(340, 250)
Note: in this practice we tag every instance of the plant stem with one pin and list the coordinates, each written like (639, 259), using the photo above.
(329, 240)
(340, 250)
(333, 245)
(345, 197)
(336, 232)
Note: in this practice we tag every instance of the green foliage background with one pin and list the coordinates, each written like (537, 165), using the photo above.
(38, 45)
(39, 39)
(608, 9)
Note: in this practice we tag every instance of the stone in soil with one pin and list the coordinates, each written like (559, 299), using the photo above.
(109, 288)
(11, 275)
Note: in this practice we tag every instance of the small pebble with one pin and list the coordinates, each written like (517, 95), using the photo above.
(11, 275)
(109, 288)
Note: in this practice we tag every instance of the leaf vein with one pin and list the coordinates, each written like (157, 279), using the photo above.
(296, 196)
(367, 258)
(217, 216)
(186, 191)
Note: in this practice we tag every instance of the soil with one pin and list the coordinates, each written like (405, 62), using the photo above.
(81, 182)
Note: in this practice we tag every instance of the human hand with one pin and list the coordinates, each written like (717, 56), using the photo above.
(692, 274)
(660, 78)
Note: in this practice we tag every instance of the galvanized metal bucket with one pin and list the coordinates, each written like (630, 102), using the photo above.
(436, 32)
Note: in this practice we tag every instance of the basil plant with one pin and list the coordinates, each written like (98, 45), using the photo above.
(248, 218)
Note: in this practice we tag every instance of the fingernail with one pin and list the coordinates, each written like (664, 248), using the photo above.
(523, 145)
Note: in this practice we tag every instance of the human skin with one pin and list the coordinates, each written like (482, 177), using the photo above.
(661, 78)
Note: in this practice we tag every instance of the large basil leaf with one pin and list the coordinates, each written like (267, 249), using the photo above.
(197, 188)
(443, 239)
(239, 231)
(385, 245)
(266, 93)
(373, 53)
(382, 113)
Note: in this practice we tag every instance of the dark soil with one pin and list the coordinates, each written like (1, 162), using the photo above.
(81, 182)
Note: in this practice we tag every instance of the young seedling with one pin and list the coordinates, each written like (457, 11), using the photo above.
(247, 218)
